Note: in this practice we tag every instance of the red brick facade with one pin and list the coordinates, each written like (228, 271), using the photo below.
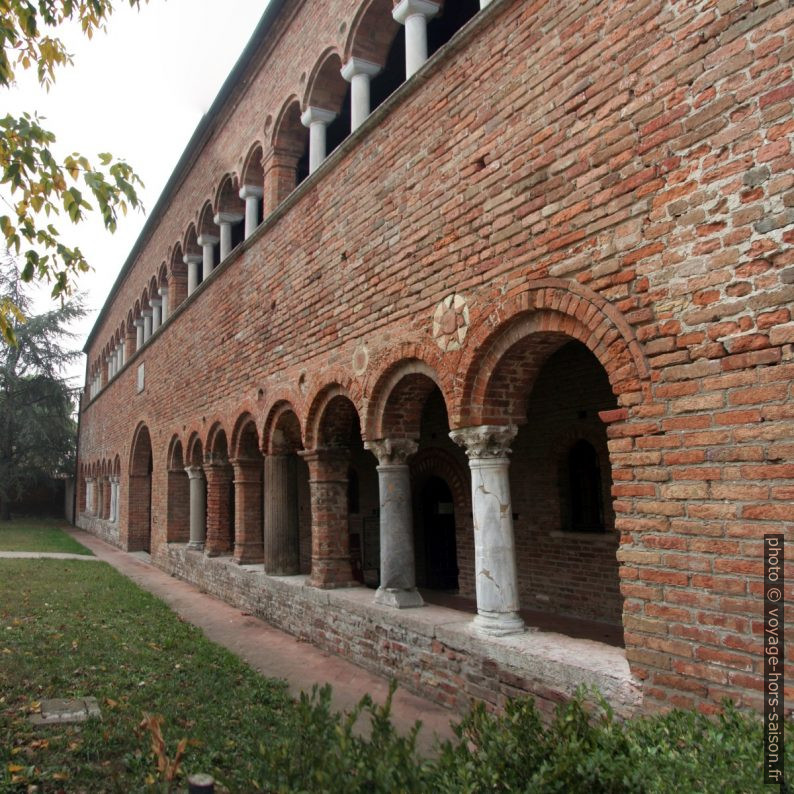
(577, 218)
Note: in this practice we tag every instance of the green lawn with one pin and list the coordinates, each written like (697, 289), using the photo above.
(37, 535)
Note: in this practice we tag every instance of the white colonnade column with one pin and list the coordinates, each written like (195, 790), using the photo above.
(414, 14)
(192, 261)
(147, 324)
(397, 567)
(207, 243)
(198, 507)
(89, 495)
(358, 73)
(317, 120)
(252, 195)
(163, 293)
(224, 221)
(157, 317)
(496, 580)
(138, 333)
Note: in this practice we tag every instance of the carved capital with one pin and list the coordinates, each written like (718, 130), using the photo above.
(485, 441)
(392, 450)
(194, 472)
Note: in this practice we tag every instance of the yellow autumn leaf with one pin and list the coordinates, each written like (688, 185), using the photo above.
(60, 776)
(15, 768)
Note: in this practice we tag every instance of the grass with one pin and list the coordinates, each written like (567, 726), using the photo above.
(37, 535)
(68, 629)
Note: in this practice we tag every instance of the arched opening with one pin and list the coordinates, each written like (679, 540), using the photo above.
(247, 489)
(177, 529)
(436, 546)
(252, 184)
(328, 90)
(230, 209)
(288, 164)
(208, 236)
(177, 278)
(453, 16)
(582, 506)
(220, 495)
(139, 509)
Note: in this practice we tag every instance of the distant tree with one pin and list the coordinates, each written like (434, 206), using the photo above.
(37, 427)
(36, 186)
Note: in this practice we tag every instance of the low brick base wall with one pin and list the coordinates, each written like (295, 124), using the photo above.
(432, 651)
(99, 527)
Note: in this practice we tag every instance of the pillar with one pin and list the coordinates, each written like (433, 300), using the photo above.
(193, 262)
(317, 120)
(130, 345)
(397, 565)
(225, 221)
(89, 495)
(331, 565)
(198, 507)
(248, 547)
(111, 364)
(207, 243)
(147, 324)
(484, 3)
(163, 293)
(251, 194)
(112, 511)
(282, 542)
(219, 529)
(414, 14)
(487, 448)
(120, 358)
(156, 313)
(358, 73)
(281, 177)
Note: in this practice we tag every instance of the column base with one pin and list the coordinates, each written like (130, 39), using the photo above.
(399, 599)
(195, 545)
(331, 572)
(498, 624)
(253, 554)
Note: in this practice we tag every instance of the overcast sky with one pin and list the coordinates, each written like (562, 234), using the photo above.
(138, 91)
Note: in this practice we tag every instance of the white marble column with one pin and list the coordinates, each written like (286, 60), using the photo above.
(207, 243)
(358, 73)
(118, 500)
(397, 565)
(112, 509)
(252, 195)
(487, 448)
(224, 221)
(198, 507)
(414, 14)
(192, 261)
(317, 120)
(157, 317)
(484, 3)
(138, 333)
(120, 358)
(89, 495)
(111, 364)
(147, 324)
(163, 293)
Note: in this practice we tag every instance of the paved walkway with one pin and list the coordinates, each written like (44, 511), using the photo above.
(44, 555)
(274, 653)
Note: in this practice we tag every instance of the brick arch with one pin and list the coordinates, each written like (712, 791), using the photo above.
(190, 241)
(394, 409)
(176, 458)
(227, 196)
(162, 275)
(530, 327)
(153, 287)
(325, 87)
(435, 462)
(117, 466)
(217, 446)
(206, 222)
(194, 450)
(372, 32)
(330, 415)
(289, 135)
(245, 438)
(282, 429)
(253, 166)
(139, 492)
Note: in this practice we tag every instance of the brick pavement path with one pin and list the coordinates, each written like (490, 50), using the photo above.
(272, 652)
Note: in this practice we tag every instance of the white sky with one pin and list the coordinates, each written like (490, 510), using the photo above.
(139, 92)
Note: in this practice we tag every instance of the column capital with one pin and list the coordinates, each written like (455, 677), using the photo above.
(138, 322)
(251, 191)
(192, 259)
(313, 115)
(485, 441)
(392, 451)
(227, 217)
(410, 8)
(155, 302)
(207, 239)
(90, 479)
(195, 472)
(146, 312)
(357, 66)
(162, 291)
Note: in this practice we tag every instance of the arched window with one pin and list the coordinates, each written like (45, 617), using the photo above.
(585, 501)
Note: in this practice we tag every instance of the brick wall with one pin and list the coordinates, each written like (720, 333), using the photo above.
(617, 174)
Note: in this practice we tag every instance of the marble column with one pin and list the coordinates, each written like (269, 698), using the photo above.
(207, 243)
(414, 14)
(147, 324)
(317, 120)
(331, 564)
(219, 530)
(89, 495)
(496, 580)
(224, 221)
(193, 261)
(113, 506)
(198, 507)
(120, 362)
(156, 313)
(111, 364)
(163, 293)
(117, 495)
(358, 73)
(251, 194)
(248, 545)
(397, 564)
(282, 541)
